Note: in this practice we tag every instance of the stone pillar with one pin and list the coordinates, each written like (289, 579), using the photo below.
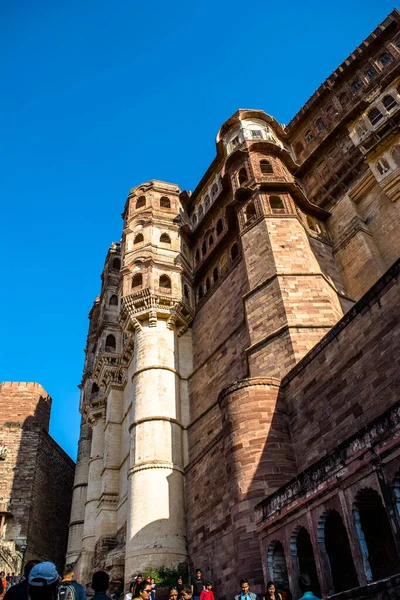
(79, 494)
(106, 520)
(156, 521)
(259, 459)
(96, 421)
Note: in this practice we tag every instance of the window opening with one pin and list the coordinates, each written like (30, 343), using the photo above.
(140, 202)
(375, 116)
(214, 190)
(308, 136)
(137, 280)
(266, 166)
(113, 300)
(383, 166)
(139, 238)
(110, 343)
(197, 255)
(219, 227)
(256, 133)
(242, 176)
(357, 85)
(215, 275)
(186, 291)
(165, 282)
(389, 102)
(370, 73)
(250, 212)
(165, 239)
(208, 285)
(320, 124)
(207, 201)
(204, 248)
(200, 292)
(210, 240)
(234, 251)
(277, 204)
(385, 58)
(116, 264)
(165, 202)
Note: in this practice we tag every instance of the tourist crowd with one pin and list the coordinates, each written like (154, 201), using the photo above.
(41, 581)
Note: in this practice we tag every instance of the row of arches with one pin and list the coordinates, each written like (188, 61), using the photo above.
(373, 535)
(163, 282)
(208, 242)
(164, 238)
(206, 203)
(165, 202)
(217, 273)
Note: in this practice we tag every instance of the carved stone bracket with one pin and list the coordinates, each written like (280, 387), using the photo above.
(94, 411)
(146, 304)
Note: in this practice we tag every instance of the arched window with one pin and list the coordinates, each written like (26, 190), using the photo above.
(113, 300)
(383, 166)
(165, 202)
(207, 201)
(200, 292)
(312, 224)
(186, 291)
(337, 546)
(110, 343)
(298, 148)
(242, 176)
(200, 211)
(95, 388)
(215, 275)
(375, 536)
(204, 248)
(277, 569)
(214, 190)
(116, 264)
(219, 227)
(208, 285)
(210, 240)
(165, 239)
(138, 238)
(140, 202)
(234, 251)
(277, 204)
(308, 136)
(165, 282)
(320, 125)
(266, 167)
(385, 58)
(375, 116)
(137, 280)
(194, 219)
(396, 154)
(197, 255)
(305, 555)
(389, 102)
(223, 265)
(250, 212)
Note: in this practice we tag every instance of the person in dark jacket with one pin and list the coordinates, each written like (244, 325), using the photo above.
(19, 591)
(100, 583)
(68, 579)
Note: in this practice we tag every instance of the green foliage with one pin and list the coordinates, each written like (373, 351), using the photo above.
(164, 576)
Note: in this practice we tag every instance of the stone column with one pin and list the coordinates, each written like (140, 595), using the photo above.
(156, 522)
(106, 520)
(96, 421)
(79, 494)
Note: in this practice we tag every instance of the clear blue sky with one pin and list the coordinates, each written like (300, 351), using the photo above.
(99, 96)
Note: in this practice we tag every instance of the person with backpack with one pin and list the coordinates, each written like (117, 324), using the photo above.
(69, 588)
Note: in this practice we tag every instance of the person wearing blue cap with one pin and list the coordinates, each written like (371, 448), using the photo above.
(43, 582)
(305, 584)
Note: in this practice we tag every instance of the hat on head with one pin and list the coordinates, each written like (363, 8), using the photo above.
(44, 573)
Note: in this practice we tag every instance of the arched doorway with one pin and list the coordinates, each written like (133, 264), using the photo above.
(375, 535)
(305, 556)
(344, 576)
(277, 569)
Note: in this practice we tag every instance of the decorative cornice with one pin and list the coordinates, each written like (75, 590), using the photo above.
(146, 303)
(308, 483)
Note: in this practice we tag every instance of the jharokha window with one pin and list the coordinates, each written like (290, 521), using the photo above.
(266, 167)
(140, 202)
(165, 282)
(242, 176)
